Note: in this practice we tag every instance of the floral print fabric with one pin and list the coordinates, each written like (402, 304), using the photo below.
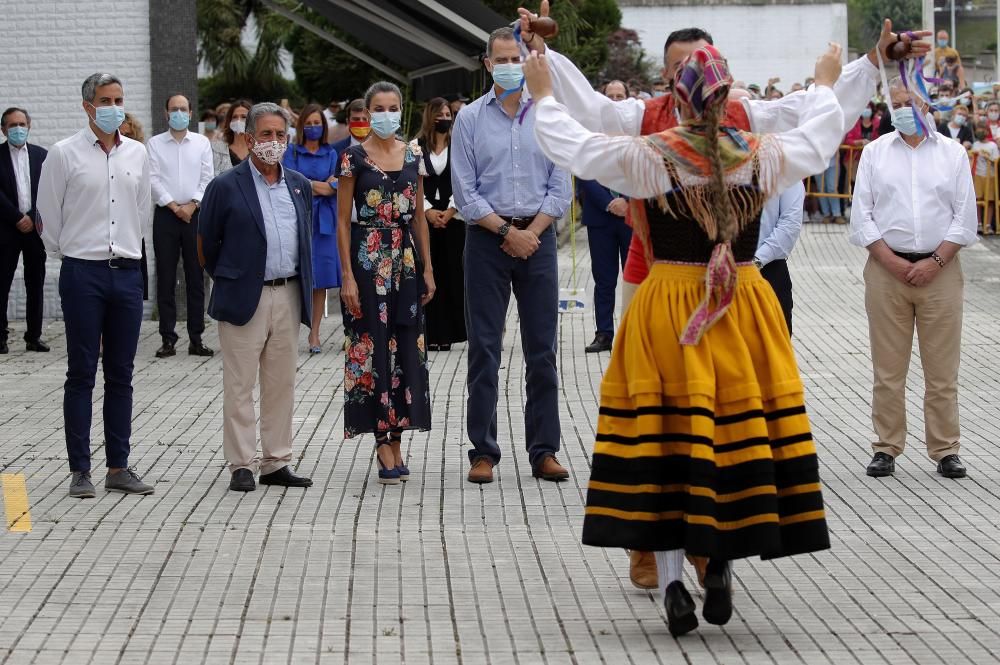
(385, 380)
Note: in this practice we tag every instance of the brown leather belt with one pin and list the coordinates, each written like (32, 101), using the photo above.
(520, 223)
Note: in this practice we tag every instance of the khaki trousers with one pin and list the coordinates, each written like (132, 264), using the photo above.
(269, 343)
(628, 292)
(936, 309)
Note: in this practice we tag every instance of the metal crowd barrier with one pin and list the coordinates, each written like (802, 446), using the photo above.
(987, 196)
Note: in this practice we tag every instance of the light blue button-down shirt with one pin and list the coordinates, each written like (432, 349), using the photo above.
(496, 165)
(280, 225)
(780, 224)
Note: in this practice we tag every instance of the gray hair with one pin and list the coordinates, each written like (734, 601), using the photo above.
(262, 109)
(379, 87)
(505, 34)
(95, 81)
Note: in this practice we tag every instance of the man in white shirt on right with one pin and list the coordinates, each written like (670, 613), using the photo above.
(914, 208)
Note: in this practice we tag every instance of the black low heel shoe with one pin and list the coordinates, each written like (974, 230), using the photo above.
(718, 595)
(680, 609)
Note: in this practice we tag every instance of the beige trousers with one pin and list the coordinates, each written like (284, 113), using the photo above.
(936, 309)
(269, 342)
(628, 292)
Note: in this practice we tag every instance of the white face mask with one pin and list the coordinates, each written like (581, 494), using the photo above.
(238, 126)
(270, 152)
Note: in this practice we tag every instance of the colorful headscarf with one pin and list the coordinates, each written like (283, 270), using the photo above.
(703, 80)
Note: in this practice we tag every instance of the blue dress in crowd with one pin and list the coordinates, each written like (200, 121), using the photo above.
(320, 165)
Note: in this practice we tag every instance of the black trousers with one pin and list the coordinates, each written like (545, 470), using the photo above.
(13, 244)
(174, 239)
(776, 273)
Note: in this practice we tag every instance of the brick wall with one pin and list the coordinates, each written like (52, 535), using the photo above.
(760, 41)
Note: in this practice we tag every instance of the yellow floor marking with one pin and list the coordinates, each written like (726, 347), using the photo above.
(15, 501)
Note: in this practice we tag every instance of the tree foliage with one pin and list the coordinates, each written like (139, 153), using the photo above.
(865, 19)
(627, 61)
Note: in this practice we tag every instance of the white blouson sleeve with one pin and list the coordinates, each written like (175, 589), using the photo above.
(592, 109)
(626, 164)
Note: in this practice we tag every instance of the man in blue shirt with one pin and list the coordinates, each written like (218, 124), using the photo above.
(510, 194)
(780, 224)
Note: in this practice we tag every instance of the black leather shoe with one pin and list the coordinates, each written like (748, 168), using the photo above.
(951, 467)
(680, 609)
(38, 346)
(242, 481)
(166, 351)
(285, 477)
(602, 342)
(718, 594)
(199, 349)
(883, 464)
(3, 348)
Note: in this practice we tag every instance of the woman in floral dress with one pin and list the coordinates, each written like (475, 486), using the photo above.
(387, 280)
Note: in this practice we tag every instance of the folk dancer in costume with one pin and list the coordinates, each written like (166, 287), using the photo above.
(703, 443)
(854, 89)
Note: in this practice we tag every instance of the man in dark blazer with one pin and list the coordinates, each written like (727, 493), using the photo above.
(20, 169)
(254, 237)
(609, 238)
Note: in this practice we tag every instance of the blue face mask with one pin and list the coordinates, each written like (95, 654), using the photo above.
(866, 114)
(386, 123)
(314, 133)
(179, 120)
(508, 75)
(17, 135)
(109, 118)
(904, 121)
(942, 42)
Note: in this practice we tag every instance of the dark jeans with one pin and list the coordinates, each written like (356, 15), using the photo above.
(489, 276)
(99, 302)
(13, 244)
(776, 273)
(174, 239)
(608, 250)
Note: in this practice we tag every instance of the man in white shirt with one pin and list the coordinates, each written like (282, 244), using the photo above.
(180, 168)
(914, 208)
(780, 225)
(20, 168)
(93, 201)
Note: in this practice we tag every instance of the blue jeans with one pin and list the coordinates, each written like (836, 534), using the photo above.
(608, 250)
(99, 303)
(826, 183)
(489, 277)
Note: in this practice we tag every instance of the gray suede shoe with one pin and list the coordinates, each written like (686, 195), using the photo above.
(126, 482)
(80, 486)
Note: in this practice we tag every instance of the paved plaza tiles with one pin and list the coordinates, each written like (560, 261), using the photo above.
(442, 571)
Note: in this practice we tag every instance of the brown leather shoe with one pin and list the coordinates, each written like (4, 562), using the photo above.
(550, 469)
(481, 471)
(700, 563)
(642, 569)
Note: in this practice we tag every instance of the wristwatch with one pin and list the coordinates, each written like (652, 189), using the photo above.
(503, 230)
(757, 262)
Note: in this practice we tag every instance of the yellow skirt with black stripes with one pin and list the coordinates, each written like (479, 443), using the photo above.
(704, 448)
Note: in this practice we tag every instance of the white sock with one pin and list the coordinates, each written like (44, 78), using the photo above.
(669, 568)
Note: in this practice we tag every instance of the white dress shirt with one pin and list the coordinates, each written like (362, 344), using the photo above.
(854, 89)
(179, 170)
(93, 205)
(22, 175)
(630, 165)
(914, 198)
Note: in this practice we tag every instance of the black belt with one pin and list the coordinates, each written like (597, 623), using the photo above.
(116, 263)
(518, 222)
(913, 257)
(281, 281)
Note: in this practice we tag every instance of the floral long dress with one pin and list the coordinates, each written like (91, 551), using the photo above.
(385, 380)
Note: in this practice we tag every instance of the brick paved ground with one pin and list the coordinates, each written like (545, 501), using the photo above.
(440, 571)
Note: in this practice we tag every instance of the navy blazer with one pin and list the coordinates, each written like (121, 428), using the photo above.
(340, 146)
(233, 245)
(594, 199)
(10, 214)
